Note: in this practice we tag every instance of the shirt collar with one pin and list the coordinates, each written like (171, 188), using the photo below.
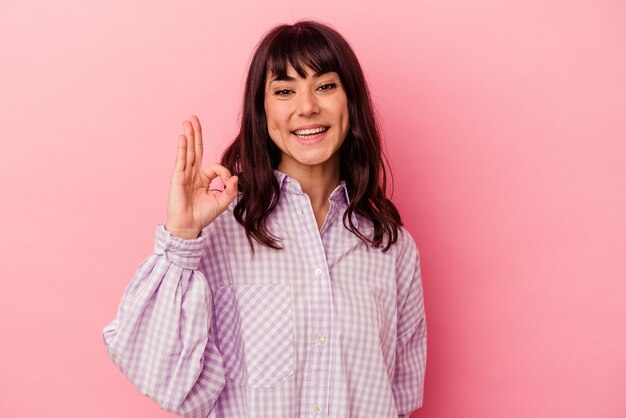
(290, 184)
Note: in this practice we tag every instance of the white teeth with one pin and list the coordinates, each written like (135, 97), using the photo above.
(310, 131)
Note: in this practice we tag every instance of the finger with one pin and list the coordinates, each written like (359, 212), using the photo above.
(197, 134)
(231, 186)
(181, 153)
(229, 193)
(190, 143)
(215, 170)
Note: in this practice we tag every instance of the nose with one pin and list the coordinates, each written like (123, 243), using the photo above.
(307, 104)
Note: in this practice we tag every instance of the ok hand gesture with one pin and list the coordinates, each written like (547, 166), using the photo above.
(191, 206)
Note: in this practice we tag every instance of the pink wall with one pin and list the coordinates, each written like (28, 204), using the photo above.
(505, 125)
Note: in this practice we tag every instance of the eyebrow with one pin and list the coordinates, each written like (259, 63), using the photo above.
(289, 78)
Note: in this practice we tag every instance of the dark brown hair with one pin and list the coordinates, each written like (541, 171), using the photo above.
(253, 156)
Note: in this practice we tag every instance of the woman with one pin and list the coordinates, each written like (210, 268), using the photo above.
(294, 291)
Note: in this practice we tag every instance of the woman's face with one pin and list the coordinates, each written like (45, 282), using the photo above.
(307, 118)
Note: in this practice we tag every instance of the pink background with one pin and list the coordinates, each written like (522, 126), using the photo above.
(504, 122)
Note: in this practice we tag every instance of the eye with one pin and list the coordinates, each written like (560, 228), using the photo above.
(327, 86)
(283, 92)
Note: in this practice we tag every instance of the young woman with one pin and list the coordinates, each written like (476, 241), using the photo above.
(294, 291)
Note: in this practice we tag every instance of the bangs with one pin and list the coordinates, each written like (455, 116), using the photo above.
(299, 47)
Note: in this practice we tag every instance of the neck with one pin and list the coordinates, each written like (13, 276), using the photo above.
(318, 181)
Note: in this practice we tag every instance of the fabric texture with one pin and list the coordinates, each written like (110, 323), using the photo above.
(326, 327)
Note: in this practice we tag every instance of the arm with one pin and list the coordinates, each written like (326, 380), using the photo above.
(160, 339)
(408, 384)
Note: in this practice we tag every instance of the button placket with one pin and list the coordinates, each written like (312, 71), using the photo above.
(316, 370)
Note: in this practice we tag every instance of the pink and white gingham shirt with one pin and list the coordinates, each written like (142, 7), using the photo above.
(326, 327)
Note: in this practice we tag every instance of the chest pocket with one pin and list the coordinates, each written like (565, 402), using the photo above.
(254, 333)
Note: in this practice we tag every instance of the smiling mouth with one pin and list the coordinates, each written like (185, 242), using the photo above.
(310, 133)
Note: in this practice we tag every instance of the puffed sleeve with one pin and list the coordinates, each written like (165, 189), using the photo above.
(161, 337)
(408, 383)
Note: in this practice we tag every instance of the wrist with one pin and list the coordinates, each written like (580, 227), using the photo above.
(182, 233)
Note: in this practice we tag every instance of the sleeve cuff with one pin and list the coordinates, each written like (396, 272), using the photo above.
(185, 253)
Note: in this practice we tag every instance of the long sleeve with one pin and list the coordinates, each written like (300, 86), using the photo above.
(161, 337)
(408, 384)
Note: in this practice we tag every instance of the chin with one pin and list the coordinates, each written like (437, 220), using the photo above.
(313, 161)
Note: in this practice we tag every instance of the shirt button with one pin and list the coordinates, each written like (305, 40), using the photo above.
(319, 272)
(315, 409)
(321, 339)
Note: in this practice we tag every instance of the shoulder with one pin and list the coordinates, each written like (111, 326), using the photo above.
(405, 238)
(404, 245)
(407, 249)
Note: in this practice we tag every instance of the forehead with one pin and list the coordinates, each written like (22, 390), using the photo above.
(306, 61)
(292, 74)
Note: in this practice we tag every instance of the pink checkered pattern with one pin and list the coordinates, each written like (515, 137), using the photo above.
(326, 327)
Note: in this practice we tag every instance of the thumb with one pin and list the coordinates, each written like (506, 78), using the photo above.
(229, 192)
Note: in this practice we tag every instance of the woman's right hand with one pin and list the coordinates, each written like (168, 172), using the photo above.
(191, 206)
